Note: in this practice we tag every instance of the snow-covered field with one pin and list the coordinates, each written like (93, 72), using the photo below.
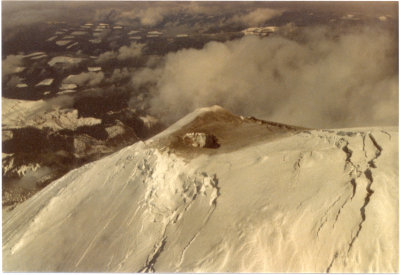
(40, 114)
(64, 59)
(291, 200)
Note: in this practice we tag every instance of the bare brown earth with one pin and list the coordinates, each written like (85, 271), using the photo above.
(232, 133)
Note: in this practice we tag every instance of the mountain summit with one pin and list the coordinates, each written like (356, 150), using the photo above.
(216, 192)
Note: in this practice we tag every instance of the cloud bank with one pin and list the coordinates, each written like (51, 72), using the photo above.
(320, 79)
(11, 63)
(31, 177)
(256, 17)
(134, 50)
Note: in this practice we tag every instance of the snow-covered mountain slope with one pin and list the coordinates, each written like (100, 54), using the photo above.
(24, 113)
(270, 198)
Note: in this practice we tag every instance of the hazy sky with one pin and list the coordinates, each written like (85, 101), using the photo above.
(150, 12)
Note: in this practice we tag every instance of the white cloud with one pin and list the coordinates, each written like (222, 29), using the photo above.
(256, 17)
(134, 50)
(320, 80)
(11, 64)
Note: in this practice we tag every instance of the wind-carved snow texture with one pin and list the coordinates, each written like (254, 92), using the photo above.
(308, 201)
(359, 164)
(170, 195)
(212, 183)
(325, 217)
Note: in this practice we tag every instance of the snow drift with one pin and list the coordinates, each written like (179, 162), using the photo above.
(271, 198)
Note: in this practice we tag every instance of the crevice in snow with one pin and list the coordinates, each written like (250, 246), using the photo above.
(354, 184)
(325, 216)
(339, 211)
(386, 133)
(344, 145)
(369, 190)
(356, 173)
(348, 152)
(213, 203)
(378, 152)
(328, 269)
(368, 175)
(297, 164)
(297, 167)
(365, 152)
(171, 190)
(197, 234)
(152, 258)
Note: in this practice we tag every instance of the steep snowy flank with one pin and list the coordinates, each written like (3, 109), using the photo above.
(270, 198)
